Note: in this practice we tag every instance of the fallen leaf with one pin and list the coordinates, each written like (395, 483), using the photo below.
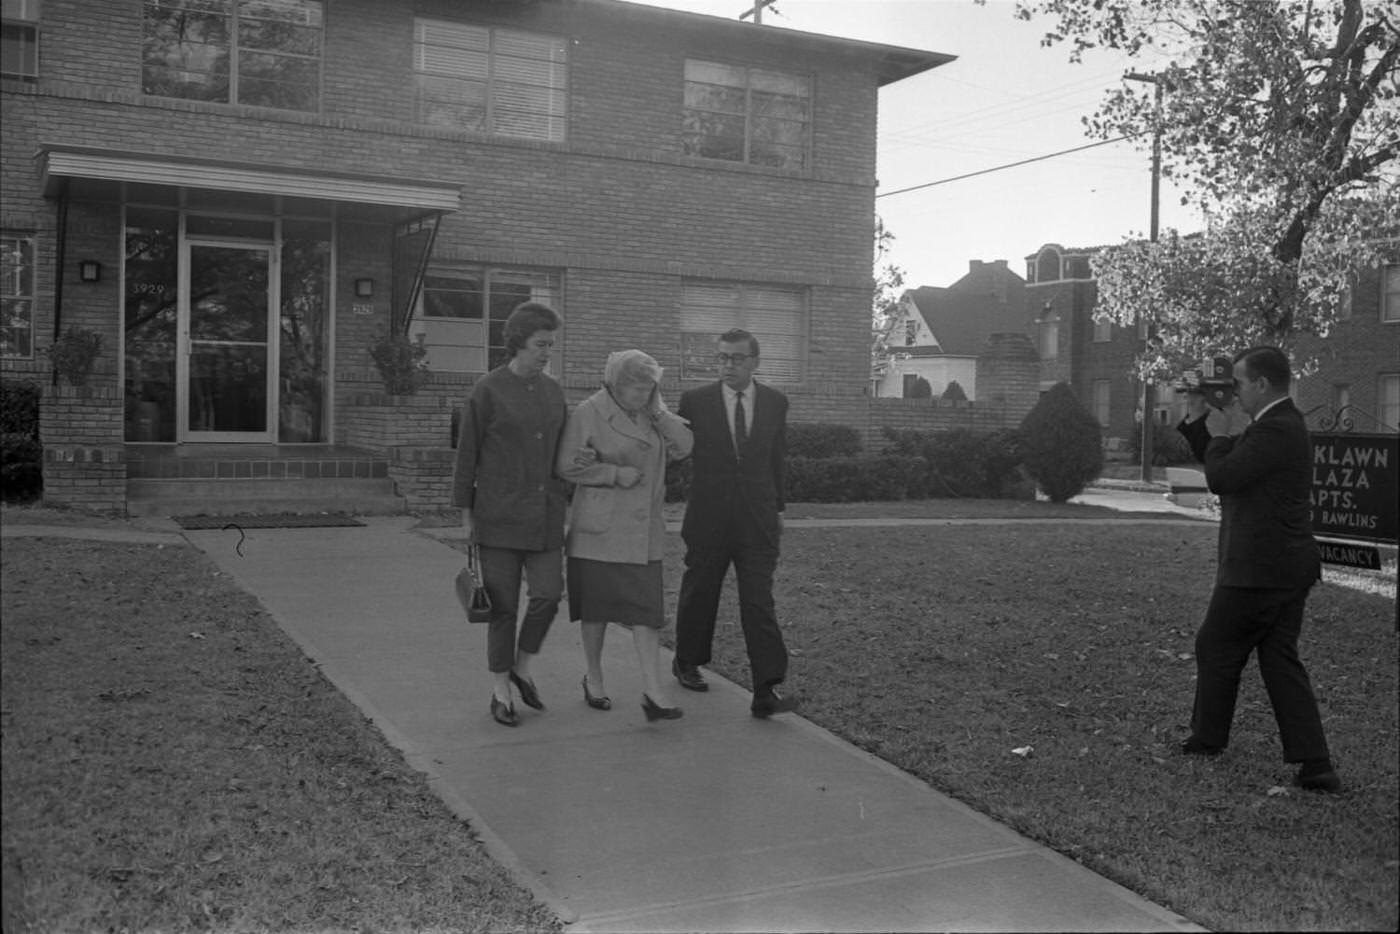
(1024, 751)
(1277, 790)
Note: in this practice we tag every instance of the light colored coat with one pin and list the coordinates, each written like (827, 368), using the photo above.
(608, 523)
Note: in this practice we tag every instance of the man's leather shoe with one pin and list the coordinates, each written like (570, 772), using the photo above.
(504, 714)
(1322, 778)
(765, 705)
(1194, 747)
(690, 678)
(528, 694)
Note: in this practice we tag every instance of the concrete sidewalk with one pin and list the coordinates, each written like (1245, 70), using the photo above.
(716, 822)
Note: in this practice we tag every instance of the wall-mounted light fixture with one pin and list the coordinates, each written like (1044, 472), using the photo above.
(90, 270)
(364, 288)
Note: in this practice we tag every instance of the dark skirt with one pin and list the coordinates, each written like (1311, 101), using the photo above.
(609, 592)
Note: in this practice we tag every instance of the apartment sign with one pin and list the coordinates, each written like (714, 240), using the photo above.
(1355, 485)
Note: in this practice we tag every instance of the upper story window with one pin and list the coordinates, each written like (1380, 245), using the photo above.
(775, 316)
(265, 53)
(19, 45)
(1390, 294)
(911, 333)
(1049, 335)
(498, 81)
(16, 295)
(1047, 266)
(747, 115)
(1103, 330)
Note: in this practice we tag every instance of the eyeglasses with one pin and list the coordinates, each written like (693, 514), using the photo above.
(734, 358)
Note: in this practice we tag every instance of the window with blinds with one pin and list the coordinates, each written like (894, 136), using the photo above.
(777, 317)
(463, 308)
(499, 81)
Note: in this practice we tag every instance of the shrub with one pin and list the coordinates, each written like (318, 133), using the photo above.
(863, 478)
(1169, 447)
(953, 392)
(19, 408)
(21, 453)
(959, 462)
(400, 362)
(921, 389)
(74, 353)
(822, 439)
(1062, 444)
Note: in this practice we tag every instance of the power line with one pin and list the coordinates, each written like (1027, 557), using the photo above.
(1009, 165)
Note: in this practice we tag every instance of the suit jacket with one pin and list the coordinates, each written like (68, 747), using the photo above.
(608, 523)
(721, 480)
(1264, 478)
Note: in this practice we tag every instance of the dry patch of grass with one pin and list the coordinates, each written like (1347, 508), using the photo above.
(172, 761)
(942, 649)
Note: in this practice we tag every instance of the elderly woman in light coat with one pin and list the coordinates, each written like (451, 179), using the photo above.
(617, 530)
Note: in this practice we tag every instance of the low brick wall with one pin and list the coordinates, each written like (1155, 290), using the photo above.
(382, 423)
(423, 476)
(84, 457)
(929, 415)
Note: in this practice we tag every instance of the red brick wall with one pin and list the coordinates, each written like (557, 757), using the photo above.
(84, 458)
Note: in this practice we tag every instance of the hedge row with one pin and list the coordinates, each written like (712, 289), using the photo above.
(21, 454)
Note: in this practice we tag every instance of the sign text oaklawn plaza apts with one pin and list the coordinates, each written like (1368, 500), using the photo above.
(1356, 484)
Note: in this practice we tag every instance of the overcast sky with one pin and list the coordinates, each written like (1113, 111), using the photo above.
(1005, 99)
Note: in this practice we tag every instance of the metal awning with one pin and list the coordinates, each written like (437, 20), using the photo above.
(60, 165)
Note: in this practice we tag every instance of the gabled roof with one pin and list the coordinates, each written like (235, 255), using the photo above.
(961, 321)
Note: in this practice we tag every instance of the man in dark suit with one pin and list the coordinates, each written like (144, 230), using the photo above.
(1268, 561)
(734, 515)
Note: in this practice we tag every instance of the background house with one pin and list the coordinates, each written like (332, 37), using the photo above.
(239, 198)
(938, 334)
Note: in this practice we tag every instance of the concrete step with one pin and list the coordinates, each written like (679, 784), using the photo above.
(184, 497)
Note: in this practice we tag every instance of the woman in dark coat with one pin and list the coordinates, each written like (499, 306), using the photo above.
(513, 501)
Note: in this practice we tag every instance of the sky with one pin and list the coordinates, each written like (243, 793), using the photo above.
(1003, 100)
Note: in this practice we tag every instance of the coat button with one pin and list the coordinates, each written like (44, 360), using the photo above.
(539, 435)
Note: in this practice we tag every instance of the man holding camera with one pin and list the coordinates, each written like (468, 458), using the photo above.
(1268, 561)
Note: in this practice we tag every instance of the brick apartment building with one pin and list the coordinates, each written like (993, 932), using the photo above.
(239, 196)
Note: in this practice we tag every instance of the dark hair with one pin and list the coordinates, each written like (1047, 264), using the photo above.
(1268, 362)
(525, 320)
(734, 335)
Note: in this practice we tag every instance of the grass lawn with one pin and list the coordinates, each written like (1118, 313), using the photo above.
(942, 649)
(173, 762)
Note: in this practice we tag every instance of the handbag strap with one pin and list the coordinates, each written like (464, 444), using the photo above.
(474, 562)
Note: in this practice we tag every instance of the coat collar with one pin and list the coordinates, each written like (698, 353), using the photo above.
(616, 417)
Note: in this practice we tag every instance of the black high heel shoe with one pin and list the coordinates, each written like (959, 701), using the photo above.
(504, 714)
(597, 703)
(655, 711)
(528, 694)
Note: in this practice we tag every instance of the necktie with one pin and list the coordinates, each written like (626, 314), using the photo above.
(741, 423)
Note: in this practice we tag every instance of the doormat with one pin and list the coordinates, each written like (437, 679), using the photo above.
(284, 521)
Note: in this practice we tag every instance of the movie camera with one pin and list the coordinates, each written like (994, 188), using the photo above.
(1214, 379)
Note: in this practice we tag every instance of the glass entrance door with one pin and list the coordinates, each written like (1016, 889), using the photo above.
(228, 389)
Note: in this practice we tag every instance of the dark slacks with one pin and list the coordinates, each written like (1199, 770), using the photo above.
(754, 555)
(1239, 621)
(501, 572)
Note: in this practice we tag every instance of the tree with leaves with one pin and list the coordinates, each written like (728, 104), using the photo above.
(1281, 120)
(889, 287)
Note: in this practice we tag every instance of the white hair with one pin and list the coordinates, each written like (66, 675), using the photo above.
(626, 367)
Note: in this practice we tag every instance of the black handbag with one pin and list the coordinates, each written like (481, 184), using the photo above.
(471, 593)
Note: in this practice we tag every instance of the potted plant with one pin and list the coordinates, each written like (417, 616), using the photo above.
(74, 352)
(399, 360)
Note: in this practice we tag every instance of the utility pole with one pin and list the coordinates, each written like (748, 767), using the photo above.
(757, 11)
(1149, 389)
